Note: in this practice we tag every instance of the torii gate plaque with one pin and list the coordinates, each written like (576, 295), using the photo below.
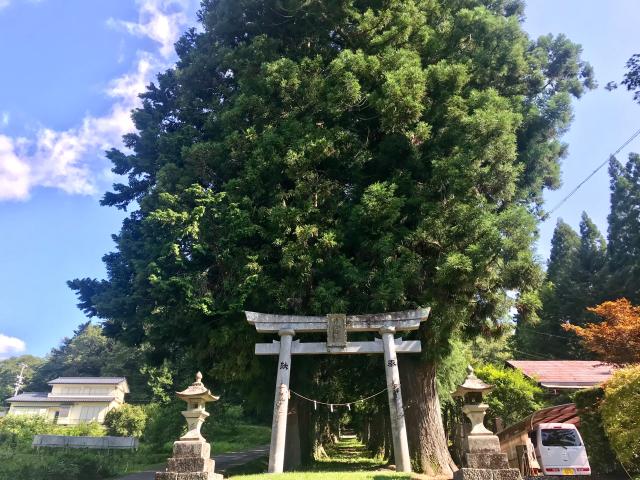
(337, 326)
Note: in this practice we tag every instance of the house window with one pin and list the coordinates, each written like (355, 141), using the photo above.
(64, 412)
(28, 411)
(88, 414)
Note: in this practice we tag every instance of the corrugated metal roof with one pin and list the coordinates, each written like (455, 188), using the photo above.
(568, 374)
(566, 413)
(88, 380)
(39, 397)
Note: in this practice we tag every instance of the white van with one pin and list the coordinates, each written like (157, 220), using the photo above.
(560, 449)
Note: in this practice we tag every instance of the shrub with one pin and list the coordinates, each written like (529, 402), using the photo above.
(514, 396)
(620, 413)
(53, 464)
(128, 420)
(601, 457)
(90, 429)
(18, 430)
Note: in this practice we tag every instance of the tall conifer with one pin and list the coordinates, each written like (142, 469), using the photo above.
(311, 156)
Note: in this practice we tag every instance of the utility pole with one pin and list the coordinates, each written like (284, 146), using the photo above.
(19, 380)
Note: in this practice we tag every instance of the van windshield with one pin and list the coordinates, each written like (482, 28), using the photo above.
(560, 437)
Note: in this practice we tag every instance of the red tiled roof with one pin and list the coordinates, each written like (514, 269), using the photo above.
(564, 373)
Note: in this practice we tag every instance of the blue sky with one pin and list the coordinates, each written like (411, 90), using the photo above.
(71, 72)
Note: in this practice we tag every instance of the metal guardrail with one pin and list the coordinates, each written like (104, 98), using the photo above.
(101, 443)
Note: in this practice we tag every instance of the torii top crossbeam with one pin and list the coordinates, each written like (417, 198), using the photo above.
(273, 323)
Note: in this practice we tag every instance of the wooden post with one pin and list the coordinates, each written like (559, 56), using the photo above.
(281, 404)
(396, 410)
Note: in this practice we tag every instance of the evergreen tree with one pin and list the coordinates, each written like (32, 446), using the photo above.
(310, 157)
(543, 339)
(623, 271)
(9, 370)
(89, 353)
(573, 283)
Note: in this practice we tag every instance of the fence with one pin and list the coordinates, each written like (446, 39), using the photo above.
(102, 443)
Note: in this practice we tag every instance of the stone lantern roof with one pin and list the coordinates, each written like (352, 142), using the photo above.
(197, 391)
(472, 384)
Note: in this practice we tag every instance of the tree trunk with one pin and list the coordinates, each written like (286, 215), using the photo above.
(388, 440)
(376, 443)
(427, 439)
(364, 431)
(306, 428)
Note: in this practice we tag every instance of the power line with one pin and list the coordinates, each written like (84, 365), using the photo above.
(532, 355)
(564, 337)
(561, 202)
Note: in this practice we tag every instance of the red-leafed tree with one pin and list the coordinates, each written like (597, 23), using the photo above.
(617, 338)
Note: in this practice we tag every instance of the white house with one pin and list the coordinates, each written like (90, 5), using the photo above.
(73, 400)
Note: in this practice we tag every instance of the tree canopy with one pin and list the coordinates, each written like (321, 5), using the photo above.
(573, 282)
(584, 270)
(311, 157)
(89, 353)
(11, 367)
(616, 339)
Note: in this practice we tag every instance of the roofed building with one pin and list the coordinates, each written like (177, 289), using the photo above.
(564, 374)
(73, 400)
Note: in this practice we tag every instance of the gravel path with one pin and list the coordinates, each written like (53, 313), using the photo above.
(223, 461)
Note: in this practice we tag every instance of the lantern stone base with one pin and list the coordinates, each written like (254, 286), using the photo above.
(482, 443)
(190, 461)
(487, 474)
(485, 461)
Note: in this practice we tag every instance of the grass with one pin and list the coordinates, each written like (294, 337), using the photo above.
(18, 461)
(326, 476)
(348, 460)
(238, 437)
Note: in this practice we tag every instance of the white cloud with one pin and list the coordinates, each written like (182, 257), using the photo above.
(4, 119)
(160, 20)
(72, 160)
(6, 3)
(14, 172)
(10, 346)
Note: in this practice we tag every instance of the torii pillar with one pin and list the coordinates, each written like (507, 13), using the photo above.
(396, 409)
(336, 326)
(281, 403)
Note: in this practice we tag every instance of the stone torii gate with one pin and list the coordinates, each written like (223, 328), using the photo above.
(337, 326)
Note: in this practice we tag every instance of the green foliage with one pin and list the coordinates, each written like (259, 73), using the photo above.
(632, 77)
(624, 230)
(601, 457)
(339, 156)
(164, 424)
(452, 370)
(54, 464)
(575, 278)
(389, 156)
(127, 420)
(620, 412)
(11, 367)
(227, 428)
(89, 353)
(18, 430)
(494, 348)
(514, 395)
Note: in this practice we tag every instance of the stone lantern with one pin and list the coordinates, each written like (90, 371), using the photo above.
(483, 457)
(196, 396)
(472, 391)
(191, 458)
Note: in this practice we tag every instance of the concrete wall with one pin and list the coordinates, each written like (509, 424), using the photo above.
(102, 443)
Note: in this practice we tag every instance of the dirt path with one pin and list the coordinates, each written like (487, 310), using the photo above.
(223, 462)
